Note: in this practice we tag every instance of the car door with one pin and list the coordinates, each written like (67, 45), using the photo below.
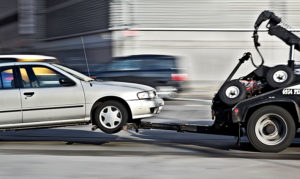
(10, 100)
(44, 98)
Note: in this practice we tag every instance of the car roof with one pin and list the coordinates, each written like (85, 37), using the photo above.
(23, 63)
(145, 56)
(28, 57)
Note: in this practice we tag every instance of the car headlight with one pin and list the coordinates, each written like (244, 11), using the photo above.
(146, 95)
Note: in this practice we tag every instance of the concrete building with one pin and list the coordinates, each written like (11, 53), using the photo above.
(71, 30)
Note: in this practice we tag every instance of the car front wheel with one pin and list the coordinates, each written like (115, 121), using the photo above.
(111, 116)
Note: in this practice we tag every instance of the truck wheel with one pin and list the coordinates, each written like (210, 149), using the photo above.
(232, 92)
(271, 129)
(111, 116)
(280, 76)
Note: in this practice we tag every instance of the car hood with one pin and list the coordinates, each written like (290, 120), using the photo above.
(123, 84)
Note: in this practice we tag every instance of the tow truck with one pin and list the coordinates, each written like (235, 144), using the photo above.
(264, 104)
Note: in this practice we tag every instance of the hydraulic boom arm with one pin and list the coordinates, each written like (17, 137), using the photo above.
(274, 29)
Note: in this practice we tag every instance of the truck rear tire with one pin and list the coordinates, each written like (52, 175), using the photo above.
(280, 76)
(271, 129)
(232, 92)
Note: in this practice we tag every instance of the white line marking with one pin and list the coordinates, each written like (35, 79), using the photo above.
(198, 100)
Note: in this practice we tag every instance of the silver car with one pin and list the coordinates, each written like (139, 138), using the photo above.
(38, 94)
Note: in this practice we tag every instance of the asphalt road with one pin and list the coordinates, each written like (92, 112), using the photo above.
(78, 152)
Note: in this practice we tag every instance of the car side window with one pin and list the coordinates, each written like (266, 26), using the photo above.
(124, 65)
(7, 78)
(25, 79)
(47, 77)
(158, 64)
(40, 76)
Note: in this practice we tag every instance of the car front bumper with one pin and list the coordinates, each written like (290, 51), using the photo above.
(166, 91)
(145, 108)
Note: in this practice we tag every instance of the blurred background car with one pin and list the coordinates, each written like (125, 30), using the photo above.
(158, 71)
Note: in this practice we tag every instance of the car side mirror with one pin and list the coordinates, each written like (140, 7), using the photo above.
(66, 82)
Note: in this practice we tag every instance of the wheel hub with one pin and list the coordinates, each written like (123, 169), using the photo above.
(271, 129)
(110, 117)
(280, 76)
(232, 92)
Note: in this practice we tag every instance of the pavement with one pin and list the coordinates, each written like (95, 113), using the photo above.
(78, 152)
(197, 94)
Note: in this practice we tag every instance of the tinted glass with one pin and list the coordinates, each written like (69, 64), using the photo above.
(158, 64)
(124, 65)
(47, 77)
(7, 78)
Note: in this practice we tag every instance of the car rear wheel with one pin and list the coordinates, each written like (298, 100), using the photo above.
(271, 129)
(111, 116)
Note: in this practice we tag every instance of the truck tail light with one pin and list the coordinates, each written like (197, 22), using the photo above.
(236, 111)
(179, 77)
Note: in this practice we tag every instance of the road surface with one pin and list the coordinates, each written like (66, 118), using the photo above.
(78, 152)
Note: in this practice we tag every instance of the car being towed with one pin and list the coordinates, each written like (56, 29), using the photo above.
(39, 94)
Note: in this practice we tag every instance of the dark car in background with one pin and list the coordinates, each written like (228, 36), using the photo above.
(158, 71)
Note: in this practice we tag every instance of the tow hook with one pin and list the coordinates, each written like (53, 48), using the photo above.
(94, 128)
(131, 126)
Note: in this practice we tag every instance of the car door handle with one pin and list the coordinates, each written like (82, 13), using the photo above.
(29, 94)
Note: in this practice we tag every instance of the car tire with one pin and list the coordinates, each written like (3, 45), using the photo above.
(111, 116)
(280, 76)
(232, 92)
(271, 129)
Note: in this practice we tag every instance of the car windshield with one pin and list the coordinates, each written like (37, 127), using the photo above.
(74, 73)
